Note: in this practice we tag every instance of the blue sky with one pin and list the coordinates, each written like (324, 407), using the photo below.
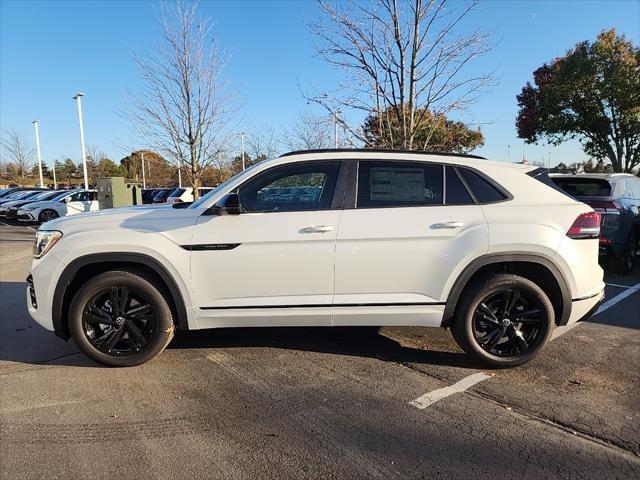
(51, 49)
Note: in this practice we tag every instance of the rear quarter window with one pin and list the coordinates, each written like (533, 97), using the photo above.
(482, 189)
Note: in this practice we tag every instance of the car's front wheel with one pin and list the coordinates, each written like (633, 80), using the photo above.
(121, 319)
(47, 215)
(503, 320)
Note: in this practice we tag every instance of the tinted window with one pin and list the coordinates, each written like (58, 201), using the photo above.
(399, 184)
(456, 193)
(177, 192)
(584, 187)
(481, 188)
(295, 187)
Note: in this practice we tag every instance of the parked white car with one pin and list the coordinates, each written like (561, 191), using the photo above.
(490, 249)
(181, 194)
(69, 202)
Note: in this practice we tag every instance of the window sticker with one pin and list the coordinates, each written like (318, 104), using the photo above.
(393, 184)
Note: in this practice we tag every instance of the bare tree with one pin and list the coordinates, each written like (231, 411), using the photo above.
(263, 142)
(18, 153)
(184, 109)
(310, 131)
(405, 61)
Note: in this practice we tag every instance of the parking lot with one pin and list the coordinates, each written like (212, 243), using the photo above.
(319, 403)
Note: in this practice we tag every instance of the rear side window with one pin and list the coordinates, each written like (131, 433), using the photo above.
(399, 184)
(456, 193)
(481, 188)
(584, 187)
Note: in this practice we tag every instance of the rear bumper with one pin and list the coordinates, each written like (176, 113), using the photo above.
(583, 308)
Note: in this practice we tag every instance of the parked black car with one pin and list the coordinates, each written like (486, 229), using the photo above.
(162, 195)
(148, 194)
(617, 197)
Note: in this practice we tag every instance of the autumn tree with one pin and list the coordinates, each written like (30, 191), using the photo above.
(183, 108)
(407, 63)
(437, 132)
(591, 94)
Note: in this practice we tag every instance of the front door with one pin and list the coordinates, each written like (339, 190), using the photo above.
(273, 264)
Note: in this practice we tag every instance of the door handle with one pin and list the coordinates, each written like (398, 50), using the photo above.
(317, 229)
(446, 225)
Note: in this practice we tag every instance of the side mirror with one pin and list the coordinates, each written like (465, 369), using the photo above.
(67, 199)
(227, 205)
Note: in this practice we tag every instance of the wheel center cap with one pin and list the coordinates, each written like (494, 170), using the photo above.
(506, 322)
(120, 321)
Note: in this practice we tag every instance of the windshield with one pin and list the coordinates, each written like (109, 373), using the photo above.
(215, 190)
(584, 187)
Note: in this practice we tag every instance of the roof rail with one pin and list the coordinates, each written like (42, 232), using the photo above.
(379, 150)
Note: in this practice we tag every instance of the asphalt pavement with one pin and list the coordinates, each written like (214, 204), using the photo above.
(289, 403)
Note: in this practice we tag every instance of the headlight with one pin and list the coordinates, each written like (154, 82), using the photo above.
(45, 239)
(27, 209)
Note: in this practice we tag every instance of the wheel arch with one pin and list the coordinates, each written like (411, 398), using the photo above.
(535, 267)
(85, 267)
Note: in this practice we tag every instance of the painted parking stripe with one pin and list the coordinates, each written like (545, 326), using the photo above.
(605, 306)
(618, 285)
(432, 397)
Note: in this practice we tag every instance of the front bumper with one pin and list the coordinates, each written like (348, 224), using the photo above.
(42, 278)
(25, 216)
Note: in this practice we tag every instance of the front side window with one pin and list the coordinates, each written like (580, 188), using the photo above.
(291, 188)
(399, 184)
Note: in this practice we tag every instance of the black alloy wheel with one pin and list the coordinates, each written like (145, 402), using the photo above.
(121, 318)
(119, 321)
(47, 215)
(508, 323)
(503, 320)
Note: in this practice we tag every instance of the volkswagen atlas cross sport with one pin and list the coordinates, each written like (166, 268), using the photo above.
(329, 238)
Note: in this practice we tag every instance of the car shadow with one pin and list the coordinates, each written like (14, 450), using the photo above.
(23, 341)
(347, 341)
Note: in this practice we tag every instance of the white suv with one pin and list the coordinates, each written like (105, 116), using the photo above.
(355, 237)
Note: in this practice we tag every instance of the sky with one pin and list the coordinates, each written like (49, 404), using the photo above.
(49, 50)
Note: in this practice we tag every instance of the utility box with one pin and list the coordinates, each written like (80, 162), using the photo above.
(114, 192)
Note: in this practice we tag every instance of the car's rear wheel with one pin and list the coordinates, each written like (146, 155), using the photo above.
(503, 320)
(47, 215)
(623, 263)
(121, 319)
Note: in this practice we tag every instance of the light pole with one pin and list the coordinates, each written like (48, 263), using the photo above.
(242, 147)
(144, 181)
(78, 98)
(55, 182)
(35, 126)
(508, 153)
(180, 175)
(549, 161)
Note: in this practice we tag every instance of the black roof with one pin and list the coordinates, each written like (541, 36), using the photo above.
(380, 150)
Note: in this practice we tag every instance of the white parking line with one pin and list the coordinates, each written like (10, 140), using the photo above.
(618, 285)
(605, 306)
(432, 397)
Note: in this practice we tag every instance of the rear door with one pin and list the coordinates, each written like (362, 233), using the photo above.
(411, 225)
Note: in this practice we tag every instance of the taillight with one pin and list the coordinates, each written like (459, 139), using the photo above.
(587, 225)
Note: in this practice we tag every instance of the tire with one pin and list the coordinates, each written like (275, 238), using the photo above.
(46, 215)
(127, 336)
(623, 264)
(488, 335)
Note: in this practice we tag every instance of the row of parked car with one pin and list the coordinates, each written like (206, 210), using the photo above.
(171, 195)
(31, 204)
